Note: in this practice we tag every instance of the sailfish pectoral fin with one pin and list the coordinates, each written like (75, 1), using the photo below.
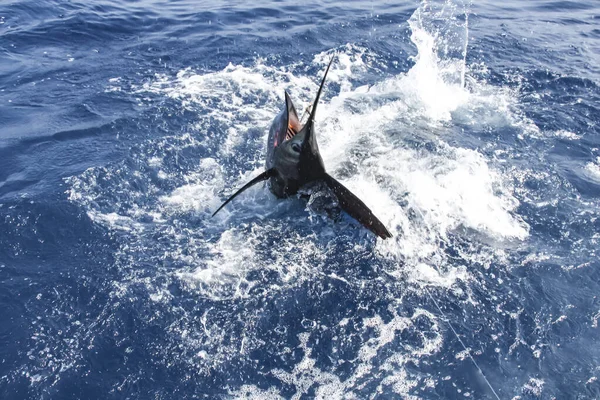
(356, 208)
(262, 177)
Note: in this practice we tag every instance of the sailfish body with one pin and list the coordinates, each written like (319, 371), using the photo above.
(293, 161)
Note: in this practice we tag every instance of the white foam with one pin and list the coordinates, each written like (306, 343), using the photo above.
(427, 196)
(592, 170)
(114, 221)
(222, 274)
(200, 195)
(373, 361)
(534, 387)
(595, 319)
(251, 392)
(567, 135)
(427, 274)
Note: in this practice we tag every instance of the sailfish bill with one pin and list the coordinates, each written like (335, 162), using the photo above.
(294, 160)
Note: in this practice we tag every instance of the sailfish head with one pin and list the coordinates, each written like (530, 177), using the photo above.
(293, 160)
(297, 156)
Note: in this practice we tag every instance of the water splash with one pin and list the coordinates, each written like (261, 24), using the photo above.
(437, 80)
(262, 256)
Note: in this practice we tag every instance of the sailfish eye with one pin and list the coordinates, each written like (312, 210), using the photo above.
(296, 147)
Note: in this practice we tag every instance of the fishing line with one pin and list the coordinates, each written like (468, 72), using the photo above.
(461, 342)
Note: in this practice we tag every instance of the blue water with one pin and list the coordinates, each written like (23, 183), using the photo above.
(471, 130)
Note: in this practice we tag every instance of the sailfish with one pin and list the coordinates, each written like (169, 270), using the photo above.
(293, 162)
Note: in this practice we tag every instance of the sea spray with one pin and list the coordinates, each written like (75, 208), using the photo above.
(235, 286)
(436, 82)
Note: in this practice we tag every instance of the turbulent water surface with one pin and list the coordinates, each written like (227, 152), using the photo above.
(470, 129)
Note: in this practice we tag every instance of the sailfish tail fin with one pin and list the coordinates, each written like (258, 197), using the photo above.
(262, 177)
(356, 208)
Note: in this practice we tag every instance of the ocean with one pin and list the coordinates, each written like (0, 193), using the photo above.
(471, 129)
